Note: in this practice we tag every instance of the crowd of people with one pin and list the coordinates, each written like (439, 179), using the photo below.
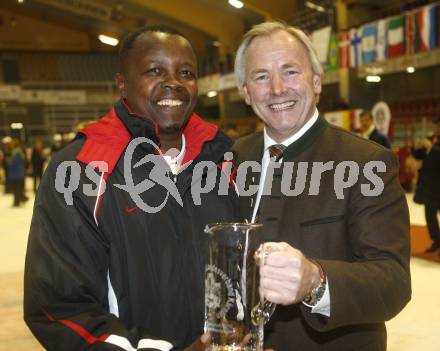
(20, 161)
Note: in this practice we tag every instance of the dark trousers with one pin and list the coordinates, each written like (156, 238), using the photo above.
(432, 223)
(17, 187)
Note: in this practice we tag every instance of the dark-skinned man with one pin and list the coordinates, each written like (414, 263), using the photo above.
(124, 269)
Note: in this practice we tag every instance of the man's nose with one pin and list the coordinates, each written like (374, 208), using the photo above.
(277, 85)
(172, 82)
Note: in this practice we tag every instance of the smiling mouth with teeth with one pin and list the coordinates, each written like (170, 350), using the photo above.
(282, 106)
(170, 103)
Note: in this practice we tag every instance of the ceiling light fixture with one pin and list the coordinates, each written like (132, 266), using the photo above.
(211, 94)
(313, 6)
(373, 79)
(410, 69)
(236, 3)
(20, 1)
(105, 39)
(17, 125)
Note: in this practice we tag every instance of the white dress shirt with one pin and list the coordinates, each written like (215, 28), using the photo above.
(175, 162)
(323, 306)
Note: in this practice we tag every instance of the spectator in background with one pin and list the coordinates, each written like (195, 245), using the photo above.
(428, 190)
(37, 161)
(421, 148)
(433, 138)
(369, 130)
(412, 162)
(6, 149)
(17, 172)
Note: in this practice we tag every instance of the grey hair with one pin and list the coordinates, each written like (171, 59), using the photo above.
(266, 29)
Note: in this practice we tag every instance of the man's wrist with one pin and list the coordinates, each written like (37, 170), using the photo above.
(316, 276)
(318, 288)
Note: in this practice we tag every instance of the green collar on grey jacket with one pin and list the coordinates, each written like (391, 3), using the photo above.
(306, 140)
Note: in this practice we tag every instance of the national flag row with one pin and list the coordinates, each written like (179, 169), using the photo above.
(408, 33)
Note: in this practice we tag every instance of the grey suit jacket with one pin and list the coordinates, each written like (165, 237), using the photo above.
(361, 241)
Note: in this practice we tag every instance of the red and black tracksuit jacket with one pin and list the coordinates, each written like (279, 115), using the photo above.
(101, 274)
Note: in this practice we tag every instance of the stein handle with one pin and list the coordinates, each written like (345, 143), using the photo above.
(262, 312)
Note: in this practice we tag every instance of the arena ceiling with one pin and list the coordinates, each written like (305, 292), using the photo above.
(214, 20)
(203, 21)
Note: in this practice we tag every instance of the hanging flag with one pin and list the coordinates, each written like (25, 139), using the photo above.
(359, 47)
(411, 36)
(344, 49)
(368, 42)
(381, 43)
(396, 38)
(355, 48)
(426, 25)
(333, 62)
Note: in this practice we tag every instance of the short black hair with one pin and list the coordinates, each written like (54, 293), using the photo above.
(128, 42)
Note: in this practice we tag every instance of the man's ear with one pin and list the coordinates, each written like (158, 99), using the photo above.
(247, 97)
(120, 83)
(317, 85)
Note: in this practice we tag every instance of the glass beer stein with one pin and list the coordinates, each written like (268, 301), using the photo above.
(234, 312)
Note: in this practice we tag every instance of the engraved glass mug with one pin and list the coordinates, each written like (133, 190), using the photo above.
(234, 312)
